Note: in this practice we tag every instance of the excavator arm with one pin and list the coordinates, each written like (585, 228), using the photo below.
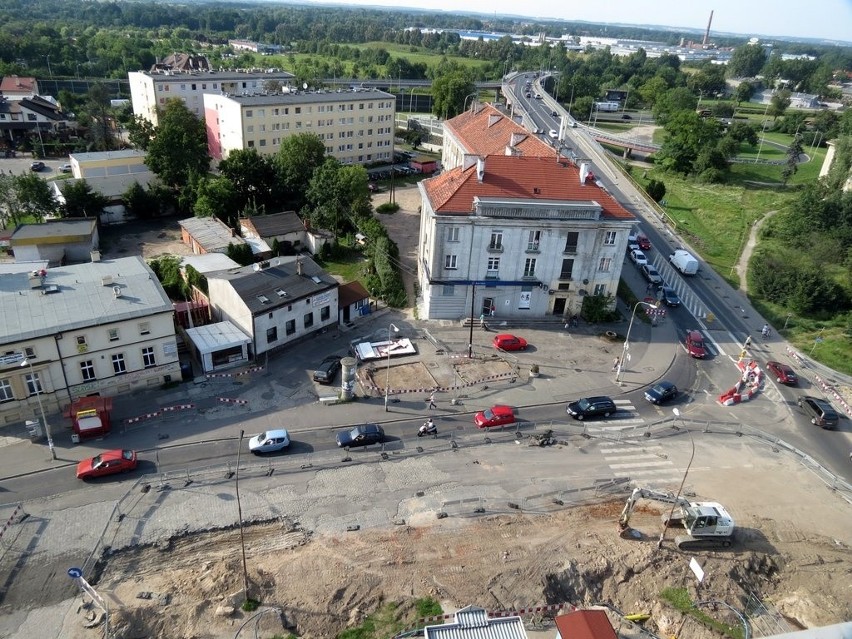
(647, 493)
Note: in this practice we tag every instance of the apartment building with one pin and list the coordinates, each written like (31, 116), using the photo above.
(357, 126)
(104, 327)
(517, 236)
(149, 90)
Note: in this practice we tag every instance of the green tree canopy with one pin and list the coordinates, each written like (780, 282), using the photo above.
(33, 196)
(743, 92)
(253, 177)
(82, 201)
(179, 147)
(297, 159)
(449, 93)
(687, 135)
(216, 197)
(746, 61)
(672, 102)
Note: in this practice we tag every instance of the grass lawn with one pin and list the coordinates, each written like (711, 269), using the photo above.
(347, 266)
(421, 55)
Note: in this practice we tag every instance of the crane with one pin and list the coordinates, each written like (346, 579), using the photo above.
(707, 524)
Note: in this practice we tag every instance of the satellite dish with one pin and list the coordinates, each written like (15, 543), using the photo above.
(255, 267)
(304, 85)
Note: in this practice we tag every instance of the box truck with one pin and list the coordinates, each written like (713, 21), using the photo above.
(684, 262)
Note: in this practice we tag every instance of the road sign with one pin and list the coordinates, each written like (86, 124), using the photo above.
(75, 573)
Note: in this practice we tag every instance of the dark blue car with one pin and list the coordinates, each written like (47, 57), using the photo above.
(361, 436)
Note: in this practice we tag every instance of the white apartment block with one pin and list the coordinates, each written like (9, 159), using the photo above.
(103, 327)
(357, 127)
(149, 90)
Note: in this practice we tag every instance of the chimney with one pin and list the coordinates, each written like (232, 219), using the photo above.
(298, 266)
(96, 256)
(584, 172)
(480, 169)
(469, 160)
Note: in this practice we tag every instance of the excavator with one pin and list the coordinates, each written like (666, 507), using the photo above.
(707, 524)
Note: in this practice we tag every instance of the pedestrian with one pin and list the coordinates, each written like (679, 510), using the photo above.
(649, 288)
(493, 310)
(432, 400)
(615, 363)
(482, 319)
(747, 342)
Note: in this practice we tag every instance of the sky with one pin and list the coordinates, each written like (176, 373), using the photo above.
(828, 19)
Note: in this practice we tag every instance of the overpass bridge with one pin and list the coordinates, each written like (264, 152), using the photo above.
(622, 141)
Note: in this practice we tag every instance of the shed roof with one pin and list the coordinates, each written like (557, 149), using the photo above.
(211, 233)
(585, 624)
(276, 223)
(214, 337)
(473, 623)
(208, 262)
(100, 156)
(351, 292)
(52, 229)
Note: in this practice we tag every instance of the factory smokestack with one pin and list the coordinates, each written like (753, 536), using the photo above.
(707, 33)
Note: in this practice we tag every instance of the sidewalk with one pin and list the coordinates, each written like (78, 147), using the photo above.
(574, 363)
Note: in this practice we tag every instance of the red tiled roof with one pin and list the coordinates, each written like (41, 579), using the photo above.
(15, 84)
(350, 293)
(513, 177)
(484, 130)
(584, 624)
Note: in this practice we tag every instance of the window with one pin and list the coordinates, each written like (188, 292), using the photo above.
(113, 334)
(118, 365)
(450, 262)
(529, 267)
(453, 234)
(609, 238)
(6, 391)
(290, 327)
(533, 240)
(493, 269)
(567, 269)
(249, 113)
(144, 328)
(81, 340)
(325, 313)
(496, 240)
(271, 334)
(309, 320)
(571, 242)
(87, 370)
(33, 384)
(449, 290)
(29, 353)
(600, 289)
(605, 264)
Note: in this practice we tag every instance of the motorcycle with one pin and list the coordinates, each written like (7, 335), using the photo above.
(428, 428)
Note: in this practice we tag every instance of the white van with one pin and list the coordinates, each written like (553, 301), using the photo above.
(684, 262)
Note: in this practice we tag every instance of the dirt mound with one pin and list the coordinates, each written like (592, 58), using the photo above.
(317, 586)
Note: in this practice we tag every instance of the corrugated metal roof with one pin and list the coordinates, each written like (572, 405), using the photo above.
(213, 337)
(211, 233)
(474, 623)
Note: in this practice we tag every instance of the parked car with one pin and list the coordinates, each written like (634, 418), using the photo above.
(108, 462)
(694, 344)
(327, 370)
(65, 168)
(494, 416)
(819, 410)
(507, 342)
(552, 133)
(783, 374)
(591, 407)
(632, 246)
(661, 392)
(361, 436)
(270, 441)
(668, 296)
(37, 166)
(554, 114)
(651, 274)
(638, 258)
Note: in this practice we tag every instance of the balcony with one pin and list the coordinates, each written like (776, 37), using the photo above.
(565, 277)
(532, 247)
(492, 275)
(495, 248)
(571, 248)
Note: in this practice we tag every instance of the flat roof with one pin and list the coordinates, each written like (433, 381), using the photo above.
(99, 156)
(213, 74)
(303, 97)
(54, 228)
(209, 262)
(79, 296)
(213, 337)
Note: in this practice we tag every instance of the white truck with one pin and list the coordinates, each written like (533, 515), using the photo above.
(684, 262)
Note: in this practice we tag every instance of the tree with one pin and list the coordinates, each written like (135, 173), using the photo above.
(82, 201)
(792, 165)
(687, 135)
(179, 147)
(743, 92)
(216, 197)
(743, 132)
(746, 61)
(709, 81)
(672, 102)
(140, 132)
(450, 92)
(9, 211)
(253, 177)
(656, 189)
(338, 195)
(297, 159)
(34, 197)
(140, 203)
(97, 118)
(779, 103)
(241, 254)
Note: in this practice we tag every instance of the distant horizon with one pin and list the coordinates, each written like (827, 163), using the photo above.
(755, 18)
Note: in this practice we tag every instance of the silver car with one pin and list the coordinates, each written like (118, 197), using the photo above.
(270, 441)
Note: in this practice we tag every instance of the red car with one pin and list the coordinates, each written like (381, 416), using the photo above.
(643, 242)
(694, 344)
(506, 342)
(107, 463)
(494, 416)
(783, 373)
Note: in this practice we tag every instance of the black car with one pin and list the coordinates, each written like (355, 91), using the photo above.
(37, 166)
(591, 407)
(626, 116)
(661, 392)
(327, 370)
(819, 410)
(361, 436)
(668, 296)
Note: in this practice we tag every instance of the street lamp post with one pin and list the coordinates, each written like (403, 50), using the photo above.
(37, 387)
(469, 95)
(627, 339)
(392, 327)
(682, 482)
(240, 515)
